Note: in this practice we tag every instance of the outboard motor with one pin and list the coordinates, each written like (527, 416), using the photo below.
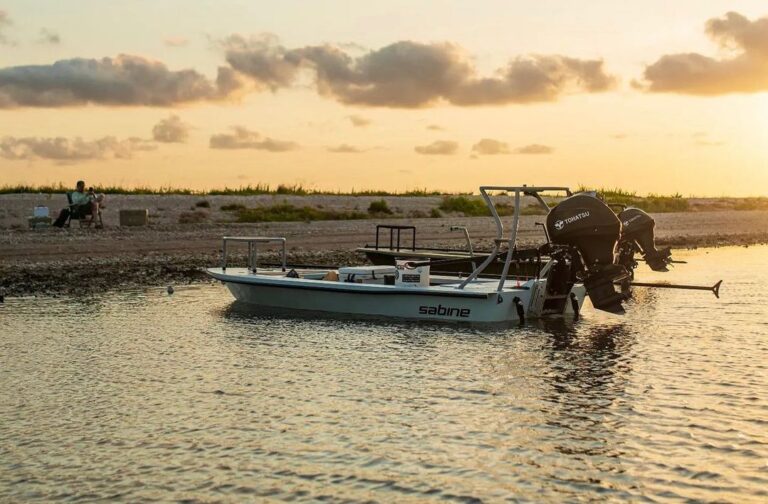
(637, 231)
(588, 225)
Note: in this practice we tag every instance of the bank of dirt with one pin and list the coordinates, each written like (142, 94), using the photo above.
(88, 261)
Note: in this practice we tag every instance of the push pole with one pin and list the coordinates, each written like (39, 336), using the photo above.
(715, 289)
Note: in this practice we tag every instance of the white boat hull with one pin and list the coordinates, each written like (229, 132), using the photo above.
(478, 302)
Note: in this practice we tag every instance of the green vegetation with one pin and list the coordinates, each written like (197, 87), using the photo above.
(659, 203)
(615, 193)
(252, 190)
(246, 190)
(62, 188)
(379, 207)
(452, 203)
(469, 207)
(284, 212)
(654, 203)
(414, 193)
(472, 207)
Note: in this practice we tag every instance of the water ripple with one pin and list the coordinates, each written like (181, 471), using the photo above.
(141, 396)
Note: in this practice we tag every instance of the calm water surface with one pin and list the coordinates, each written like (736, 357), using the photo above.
(142, 396)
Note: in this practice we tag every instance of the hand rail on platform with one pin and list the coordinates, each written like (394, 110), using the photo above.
(253, 249)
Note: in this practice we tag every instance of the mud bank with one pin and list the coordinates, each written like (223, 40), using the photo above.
(87, 262)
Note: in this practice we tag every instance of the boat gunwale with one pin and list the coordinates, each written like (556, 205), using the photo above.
(327, 286)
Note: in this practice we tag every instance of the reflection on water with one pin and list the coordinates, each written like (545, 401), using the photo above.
(139, 395)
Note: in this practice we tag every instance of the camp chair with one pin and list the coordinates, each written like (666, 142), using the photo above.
(80, 213)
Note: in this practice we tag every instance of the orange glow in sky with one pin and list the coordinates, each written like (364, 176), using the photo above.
(652, 96)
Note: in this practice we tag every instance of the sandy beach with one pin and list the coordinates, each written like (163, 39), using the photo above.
(82, 260)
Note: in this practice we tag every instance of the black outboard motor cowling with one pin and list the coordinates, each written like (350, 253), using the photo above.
(637, 228)
(588, 225)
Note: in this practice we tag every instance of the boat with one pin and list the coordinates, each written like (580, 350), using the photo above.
(580, 258)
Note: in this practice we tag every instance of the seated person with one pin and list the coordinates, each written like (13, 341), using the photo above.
(83, 203)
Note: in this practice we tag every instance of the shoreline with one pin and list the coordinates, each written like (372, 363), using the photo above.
(89, 262)
(171, 250)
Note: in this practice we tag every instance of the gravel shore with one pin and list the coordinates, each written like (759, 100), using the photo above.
(89, 261)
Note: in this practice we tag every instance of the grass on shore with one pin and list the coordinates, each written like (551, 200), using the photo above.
(452, 203)
(476, 207)
(379, 207)
(285, 212)
(246, 190)
(471, 207)
(653, 203)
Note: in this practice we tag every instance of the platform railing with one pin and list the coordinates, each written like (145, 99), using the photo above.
(395, 230)
(253, 249)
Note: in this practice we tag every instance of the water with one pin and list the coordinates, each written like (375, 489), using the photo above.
(142, 396)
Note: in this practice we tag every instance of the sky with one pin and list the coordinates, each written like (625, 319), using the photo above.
(654, 96)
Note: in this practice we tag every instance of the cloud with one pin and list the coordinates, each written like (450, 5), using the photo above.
(171, 130)
(242, 138)
(359, 121)
(123, 80)
(269, 65)
(346, 149)
(745, 70)
(67, 150)
(5, 22)
(534, 149)
(489, 147)
(435, 127)
(405, 74)
(48, 37)
(176, 41)
(409, 74)
(536, 78)
(440, 147)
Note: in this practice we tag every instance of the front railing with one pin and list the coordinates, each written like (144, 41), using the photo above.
(253, 249)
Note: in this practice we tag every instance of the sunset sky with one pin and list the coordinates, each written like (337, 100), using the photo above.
(654, 96)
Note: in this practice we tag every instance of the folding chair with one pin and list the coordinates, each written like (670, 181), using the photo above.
(80, 212)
